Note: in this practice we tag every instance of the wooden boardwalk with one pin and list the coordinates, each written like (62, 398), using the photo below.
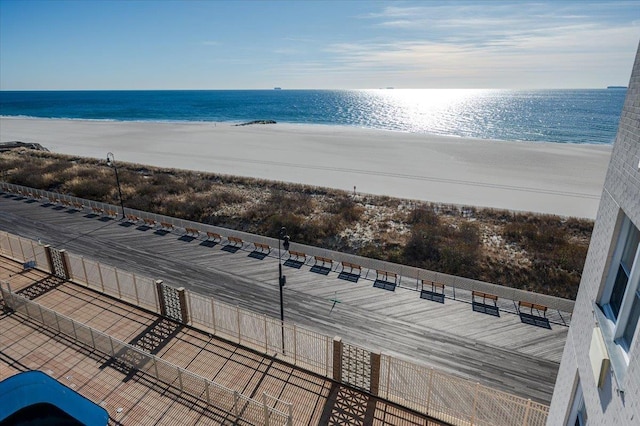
(501, 352)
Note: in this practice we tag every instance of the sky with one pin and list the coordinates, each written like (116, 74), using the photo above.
(135, 45)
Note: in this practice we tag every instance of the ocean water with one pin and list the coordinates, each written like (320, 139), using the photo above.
(563, 116)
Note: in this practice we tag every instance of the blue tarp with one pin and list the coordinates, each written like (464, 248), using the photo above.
(35, 387)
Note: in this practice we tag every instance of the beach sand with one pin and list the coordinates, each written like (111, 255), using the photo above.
(563, 179)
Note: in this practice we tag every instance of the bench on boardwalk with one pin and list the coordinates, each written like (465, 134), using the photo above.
(386, 280)
(322, 265)
(355, 271)
(97, 211)
(192, 232)
(260, 251)
(296, 259)
(233, 244)
(132, 218)
(483, 306)
(212, 239)
(151, 223)
(539, 318)
(435, 293)
(78, 206)
(111, 214)
(214, 236)
(166, 226)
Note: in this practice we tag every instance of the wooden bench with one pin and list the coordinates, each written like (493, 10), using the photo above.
(484, 296)
(192, 232)
(235, 241)
(97, 210)
(324, 260)
(65, 203)
(385, 275)
(297, 256)
(111, 213)
(166, 226)
(78, 206)
(149, 222)
(436, 294)
(132, 218)
(262, 248)
(352, 267)
(434, 285)
(214, 236)
(532, 306)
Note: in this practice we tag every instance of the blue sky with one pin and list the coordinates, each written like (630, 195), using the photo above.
(72, 45)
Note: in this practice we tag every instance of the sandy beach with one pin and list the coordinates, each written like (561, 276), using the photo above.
(555, 178)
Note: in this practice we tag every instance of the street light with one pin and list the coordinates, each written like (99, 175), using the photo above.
(282, 236)
(111, 161)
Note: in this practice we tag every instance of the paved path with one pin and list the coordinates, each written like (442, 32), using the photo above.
(501, 352)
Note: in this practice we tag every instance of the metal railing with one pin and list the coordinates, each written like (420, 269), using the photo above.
(216, 395)
(409, 277)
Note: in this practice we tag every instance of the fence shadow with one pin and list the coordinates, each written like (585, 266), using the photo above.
(41, 287)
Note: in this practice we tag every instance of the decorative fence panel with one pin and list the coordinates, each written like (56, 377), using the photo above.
(356, 367)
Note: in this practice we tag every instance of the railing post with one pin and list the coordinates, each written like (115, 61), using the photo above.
(93, 340)
(429, 391)
(135, 288)
(100, 275)
(113, 351)
(475, 404)
(55, 315)
(337, 359)
(115, 272)
(239, 331)
(84, 268)
(41, 314)
(374, 381)
(525, 421)
(180, 378)
(160, 296)
(266, 336)
(73, 324)
(265, 407)
(388, 376)
(236, 397)
(155, 367)
(295, 345)
(47, 251)
(213, 315)
(206, 390)
(290, 415)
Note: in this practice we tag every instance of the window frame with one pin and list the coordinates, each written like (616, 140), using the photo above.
(616, 324)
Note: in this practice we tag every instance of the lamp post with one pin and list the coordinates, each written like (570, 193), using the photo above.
(111, 161)
(282, 236)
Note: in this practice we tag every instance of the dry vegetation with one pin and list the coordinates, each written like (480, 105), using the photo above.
(541, 253)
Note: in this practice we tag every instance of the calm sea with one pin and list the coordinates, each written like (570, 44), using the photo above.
(566, 116)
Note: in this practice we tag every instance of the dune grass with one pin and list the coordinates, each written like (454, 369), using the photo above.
(542, 253)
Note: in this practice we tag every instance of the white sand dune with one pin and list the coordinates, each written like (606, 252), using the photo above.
(562, 179)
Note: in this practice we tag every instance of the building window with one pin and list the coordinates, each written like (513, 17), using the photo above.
(578, 413)
(621, 302)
